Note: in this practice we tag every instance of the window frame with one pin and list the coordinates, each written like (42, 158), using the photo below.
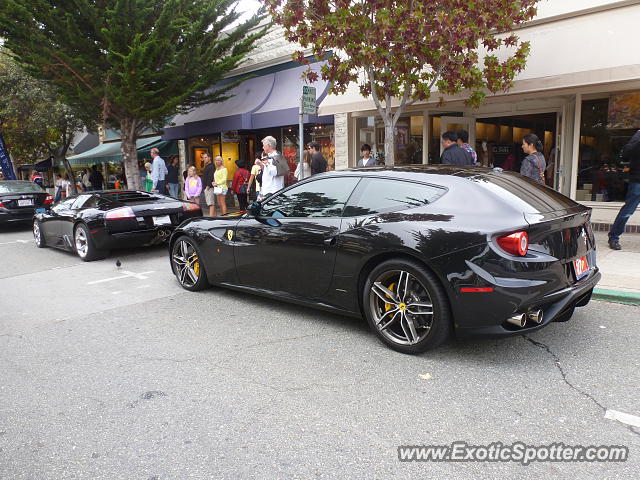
(312, 180)
(361, 187)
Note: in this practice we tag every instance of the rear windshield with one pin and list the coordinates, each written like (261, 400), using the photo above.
(19, 187)
(523, 194)
(129, 197)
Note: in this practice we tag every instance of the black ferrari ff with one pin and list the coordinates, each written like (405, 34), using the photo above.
(94, 222)
(419, 251)
(19, 200)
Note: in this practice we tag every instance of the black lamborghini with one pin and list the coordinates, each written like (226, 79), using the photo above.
(94, 222)
(419, 251)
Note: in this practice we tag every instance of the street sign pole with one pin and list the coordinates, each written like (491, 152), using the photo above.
(301, 135)
(308, 106)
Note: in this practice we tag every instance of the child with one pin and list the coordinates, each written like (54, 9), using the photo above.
(193, 186)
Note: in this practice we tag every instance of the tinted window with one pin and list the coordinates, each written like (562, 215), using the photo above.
(380, 195)
(19, 187)
(320, 198)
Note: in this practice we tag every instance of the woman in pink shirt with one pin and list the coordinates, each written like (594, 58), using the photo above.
(193, 186)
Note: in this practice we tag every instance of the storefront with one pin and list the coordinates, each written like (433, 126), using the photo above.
(266, 104)
(579, 93)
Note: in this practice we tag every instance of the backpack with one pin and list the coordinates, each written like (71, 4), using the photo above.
(243, 188)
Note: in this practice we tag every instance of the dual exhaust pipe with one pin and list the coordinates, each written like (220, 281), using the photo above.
(163, 233)
(520, 319)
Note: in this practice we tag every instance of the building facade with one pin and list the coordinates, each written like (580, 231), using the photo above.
(580, 93)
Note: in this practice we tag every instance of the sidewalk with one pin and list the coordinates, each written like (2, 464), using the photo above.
(620, 270)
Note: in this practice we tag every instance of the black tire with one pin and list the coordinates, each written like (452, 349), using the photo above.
(406, 306)
(84, 246)
(38, 236)
(187, 265)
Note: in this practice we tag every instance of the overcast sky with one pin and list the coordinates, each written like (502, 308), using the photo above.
(249, 7)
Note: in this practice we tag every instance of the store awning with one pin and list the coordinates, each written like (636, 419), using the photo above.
(108, 152)
(267, 101)
(232, 114)
(167, 149)
(282, 106)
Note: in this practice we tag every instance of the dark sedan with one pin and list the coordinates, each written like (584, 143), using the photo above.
(419, 251)
(92, 223)
(19, 200)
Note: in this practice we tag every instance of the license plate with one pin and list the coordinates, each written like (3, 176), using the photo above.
(25, 202)
(580, 267)
(163, 220)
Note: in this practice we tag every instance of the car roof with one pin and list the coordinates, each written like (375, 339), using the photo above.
(439, 174)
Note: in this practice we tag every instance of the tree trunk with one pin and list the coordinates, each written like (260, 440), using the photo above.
(389, 141)
(72, 177)
(129, 134)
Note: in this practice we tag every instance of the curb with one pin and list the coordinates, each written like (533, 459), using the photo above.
(616, 296)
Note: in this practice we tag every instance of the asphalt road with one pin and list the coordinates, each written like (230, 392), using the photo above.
(110, 373)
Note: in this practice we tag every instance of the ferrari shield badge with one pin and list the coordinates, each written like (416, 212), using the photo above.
(230, 234)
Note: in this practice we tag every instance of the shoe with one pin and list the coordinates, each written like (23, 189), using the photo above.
(614, 244)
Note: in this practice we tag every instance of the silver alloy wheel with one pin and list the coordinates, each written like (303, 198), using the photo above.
(186, 263)
(36, 232)
(82, 243)
(401, 307)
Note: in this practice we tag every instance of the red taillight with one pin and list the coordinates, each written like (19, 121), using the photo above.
(516, 243)
(1, 205)
(188, 206)
(120, 213)
(48, 200)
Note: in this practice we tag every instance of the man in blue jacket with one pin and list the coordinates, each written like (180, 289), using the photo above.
(631, 152)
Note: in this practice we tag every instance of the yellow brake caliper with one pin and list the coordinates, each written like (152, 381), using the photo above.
(193, 262)
(388, 306)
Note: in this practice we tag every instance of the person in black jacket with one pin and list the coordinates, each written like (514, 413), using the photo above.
(207, 184)
(631, 152)
(96, 179)
(318, 162)
(453, 154)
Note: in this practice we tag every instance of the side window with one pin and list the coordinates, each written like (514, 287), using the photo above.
(81, 201)
(381, 195)
(63, 205)
(320, 198)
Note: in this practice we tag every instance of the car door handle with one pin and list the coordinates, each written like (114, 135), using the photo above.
(330, 241)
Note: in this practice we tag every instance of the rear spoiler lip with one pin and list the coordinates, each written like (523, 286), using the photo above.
(578, 210)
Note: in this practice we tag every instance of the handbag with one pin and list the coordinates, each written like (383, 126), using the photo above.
(282, 166)
(218, 191)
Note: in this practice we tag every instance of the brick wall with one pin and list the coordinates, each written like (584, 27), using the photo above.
(341, 139)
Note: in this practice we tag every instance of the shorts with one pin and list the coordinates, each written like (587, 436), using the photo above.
(209, 197)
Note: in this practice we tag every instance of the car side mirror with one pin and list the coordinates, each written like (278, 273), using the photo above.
(255, 208)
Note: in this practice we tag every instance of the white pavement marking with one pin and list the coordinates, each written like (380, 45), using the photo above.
(16, 241)
(622, 417)
(126, 273)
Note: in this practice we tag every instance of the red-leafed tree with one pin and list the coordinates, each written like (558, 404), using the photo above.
(402, 50)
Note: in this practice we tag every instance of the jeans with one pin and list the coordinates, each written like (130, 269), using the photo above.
(161, 187)
(173, 189)
(628, 209)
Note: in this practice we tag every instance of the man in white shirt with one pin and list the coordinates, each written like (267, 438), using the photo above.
(158, 172)
(367, 160)
(271, 181)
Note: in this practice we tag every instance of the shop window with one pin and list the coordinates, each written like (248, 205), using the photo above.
(408, 139)
(606, 126)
